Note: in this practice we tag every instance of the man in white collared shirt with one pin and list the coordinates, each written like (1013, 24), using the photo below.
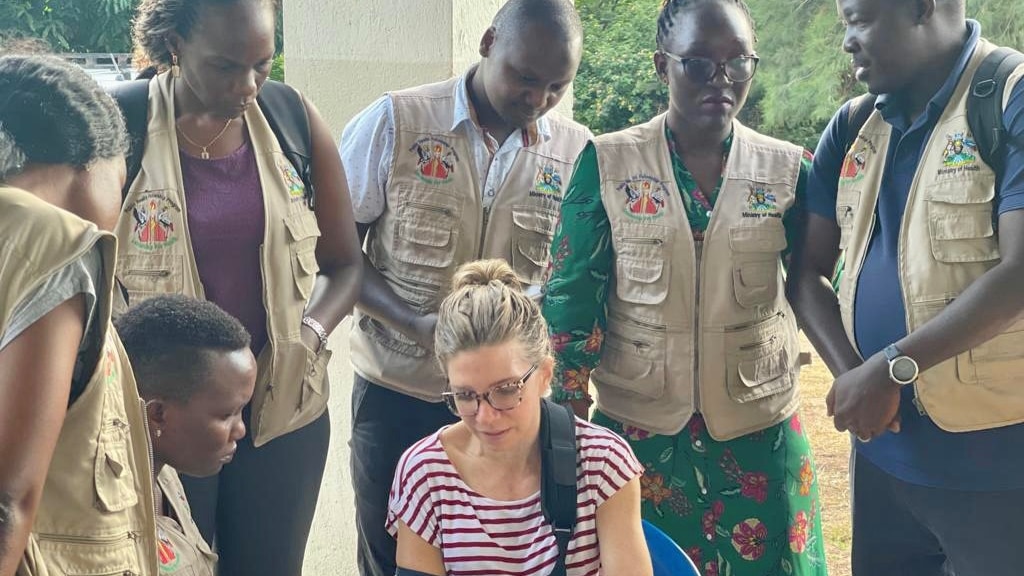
(443, 174)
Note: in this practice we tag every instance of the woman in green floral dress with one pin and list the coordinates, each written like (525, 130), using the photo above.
(740, 501)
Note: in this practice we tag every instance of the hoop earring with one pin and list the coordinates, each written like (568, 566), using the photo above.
(175, 69)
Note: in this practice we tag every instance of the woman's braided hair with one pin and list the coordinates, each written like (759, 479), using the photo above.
(670, 10)
(156, 19)
(53, 112)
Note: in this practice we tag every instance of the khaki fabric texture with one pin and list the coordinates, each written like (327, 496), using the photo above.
(698, 327)
(435, 221)
(947, 241)
(181, 548)
(96, 514)
(156, 257)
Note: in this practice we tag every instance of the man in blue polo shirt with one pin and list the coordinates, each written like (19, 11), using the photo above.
(924, 333)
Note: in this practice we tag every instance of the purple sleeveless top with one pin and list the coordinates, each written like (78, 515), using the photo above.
(224, 204)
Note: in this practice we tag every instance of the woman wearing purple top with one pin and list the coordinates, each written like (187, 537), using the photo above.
(217, 211)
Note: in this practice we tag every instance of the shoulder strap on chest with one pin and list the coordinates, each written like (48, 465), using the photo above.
(286, 113)
(133, 98)
(985, 104)
(860, 110)
(558, 475)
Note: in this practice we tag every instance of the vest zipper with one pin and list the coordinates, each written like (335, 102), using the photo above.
(431, 208)
(698, 252)
(753, 323)
(150, 273)
(645, 241)
(640, 323)
(758, 344)
(149, 449)
(104, 540)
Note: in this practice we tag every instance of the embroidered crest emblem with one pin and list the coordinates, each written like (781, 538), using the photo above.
(292, 180)
(961, 150)
(761, 200)
(165, 552)
(645, 197)
(154, 216)
(437, 160)
(548, 183)
(853, 166)
(111, 373)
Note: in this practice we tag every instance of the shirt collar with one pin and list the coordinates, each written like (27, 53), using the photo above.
(889, 104)
(464, 112)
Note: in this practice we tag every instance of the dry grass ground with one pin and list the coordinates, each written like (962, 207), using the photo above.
(832, 456)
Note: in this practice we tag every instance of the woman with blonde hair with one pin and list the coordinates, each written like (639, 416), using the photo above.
(468, 496)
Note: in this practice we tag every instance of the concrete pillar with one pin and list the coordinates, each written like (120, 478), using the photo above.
(343, 54)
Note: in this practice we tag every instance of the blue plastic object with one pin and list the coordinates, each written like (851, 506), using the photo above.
(668, 558)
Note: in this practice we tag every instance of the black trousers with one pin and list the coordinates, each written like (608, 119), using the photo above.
(384, 424)
(902, 529)
(259, 509)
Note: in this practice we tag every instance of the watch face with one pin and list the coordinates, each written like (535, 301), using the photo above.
(904, 369)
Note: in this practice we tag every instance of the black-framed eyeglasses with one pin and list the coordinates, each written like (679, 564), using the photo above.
(738, 69)
(502, 397)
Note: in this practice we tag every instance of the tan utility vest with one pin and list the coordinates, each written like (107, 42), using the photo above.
(156, 257)
(181, 549)
(697, 327)
(435, 221)
(96, 512)
(947, 241)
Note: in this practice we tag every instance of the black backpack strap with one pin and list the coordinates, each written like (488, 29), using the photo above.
(286, 113)
(133, 98)
(985, 104)
(558, 475)
(858, 113)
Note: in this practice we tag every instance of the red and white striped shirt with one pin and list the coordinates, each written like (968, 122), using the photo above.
(479, 536)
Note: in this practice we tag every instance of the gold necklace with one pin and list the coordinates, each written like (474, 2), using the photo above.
(205, 154)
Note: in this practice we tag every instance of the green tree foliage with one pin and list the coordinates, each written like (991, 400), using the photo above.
(71, 25)
(803, 78)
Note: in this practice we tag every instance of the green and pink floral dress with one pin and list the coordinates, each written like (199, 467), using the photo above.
(744, 507)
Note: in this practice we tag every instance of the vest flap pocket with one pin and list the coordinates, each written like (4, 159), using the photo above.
(304, 270)
(114, 479)
(535, 220)
(633, 359)
(758, 369)
(756, 283)
(315, 386)
(962, 234)
(425, 233)
(302, 225)
(767, 237)
(643, 241)
(537, 253)
(847, 203)
(641, 281)
(999, 359)
(148, 274)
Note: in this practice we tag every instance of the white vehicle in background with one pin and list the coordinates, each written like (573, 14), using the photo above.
(106, 68)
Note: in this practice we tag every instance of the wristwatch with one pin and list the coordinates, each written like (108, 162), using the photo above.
(318, 328)
(903, 369)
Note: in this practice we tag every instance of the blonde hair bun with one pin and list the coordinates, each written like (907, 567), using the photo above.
(484, 272)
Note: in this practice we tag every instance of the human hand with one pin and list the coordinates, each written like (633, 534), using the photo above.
(865, 401)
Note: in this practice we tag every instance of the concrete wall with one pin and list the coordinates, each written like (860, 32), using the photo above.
(343, 54)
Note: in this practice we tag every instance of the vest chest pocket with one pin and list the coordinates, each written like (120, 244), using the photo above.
(757, 361)
(847, 203)
(634, 359)
(960, 220)
(533, 229)
(426, 235)
(144, 276)
(756, 263)
(114, 479)
(303, 232)
(642, 270)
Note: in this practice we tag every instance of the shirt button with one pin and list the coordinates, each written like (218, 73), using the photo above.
(698, 443)
(709, 537)
(704, 491)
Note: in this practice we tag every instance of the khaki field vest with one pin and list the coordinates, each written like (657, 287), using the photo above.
(435, 221)
(96, 514)
(697, 328)
(947, 241)
(181, 549)
(156, 257)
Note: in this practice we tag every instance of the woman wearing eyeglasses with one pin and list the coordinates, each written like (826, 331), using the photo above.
(466, 500)
(667, 283)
